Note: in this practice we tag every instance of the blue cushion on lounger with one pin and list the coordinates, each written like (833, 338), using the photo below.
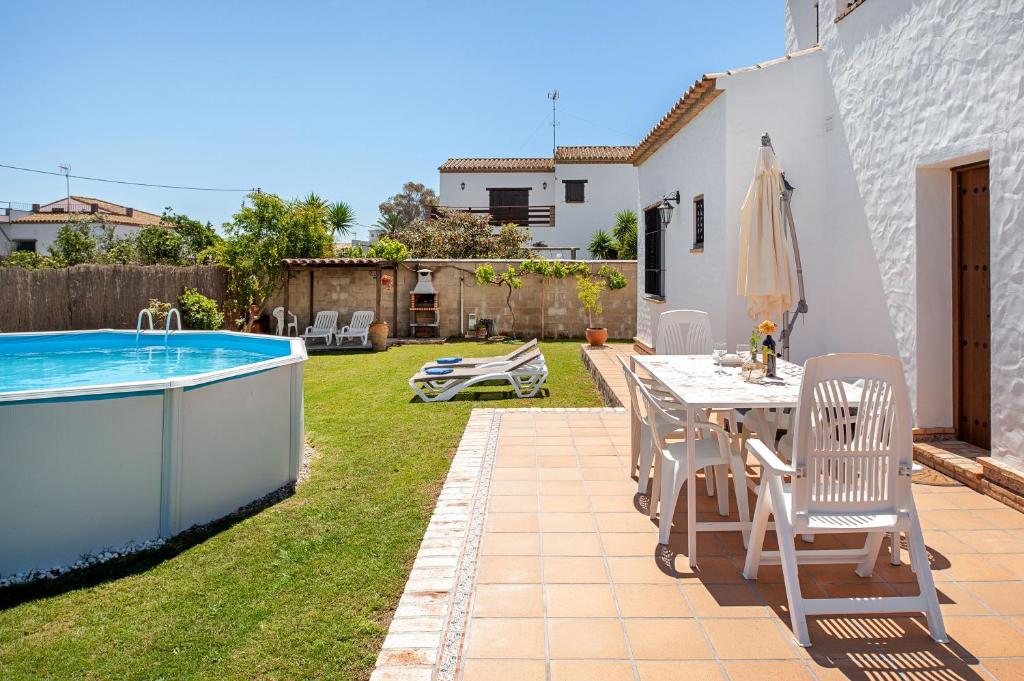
(438, 371)
(448, 360)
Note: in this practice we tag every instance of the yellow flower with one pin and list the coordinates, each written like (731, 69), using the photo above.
(767, 327)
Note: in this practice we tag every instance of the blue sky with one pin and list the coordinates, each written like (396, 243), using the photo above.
(347, 99)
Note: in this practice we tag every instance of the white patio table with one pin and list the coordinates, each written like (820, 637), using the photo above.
(695, 381)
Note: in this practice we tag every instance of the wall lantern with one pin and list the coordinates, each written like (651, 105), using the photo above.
(665, 209)
(463, 185)
(544, 184)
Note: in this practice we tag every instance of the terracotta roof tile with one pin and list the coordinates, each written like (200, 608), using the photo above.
(332, 262)
(594, 154)
(498, 165)
(110, 212)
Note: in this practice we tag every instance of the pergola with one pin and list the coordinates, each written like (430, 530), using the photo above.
(375, 265)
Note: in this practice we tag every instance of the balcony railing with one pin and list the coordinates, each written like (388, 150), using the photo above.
(524, 216)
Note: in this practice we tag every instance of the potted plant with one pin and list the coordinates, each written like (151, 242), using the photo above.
(379, 335)
(589, 291)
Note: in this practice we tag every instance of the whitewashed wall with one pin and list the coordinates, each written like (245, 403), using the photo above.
(610, 188)
(44, 234)
(477, 184)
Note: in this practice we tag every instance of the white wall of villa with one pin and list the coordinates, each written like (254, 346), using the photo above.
(476, 195)
(867, 129)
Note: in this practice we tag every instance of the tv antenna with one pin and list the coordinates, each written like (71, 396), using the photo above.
(553, 96)
(65, 169)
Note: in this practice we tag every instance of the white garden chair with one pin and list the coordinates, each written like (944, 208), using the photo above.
(293, 322)
(359, 328)
(671, 468)
(324, 326)
(525, 374)
(848, 475)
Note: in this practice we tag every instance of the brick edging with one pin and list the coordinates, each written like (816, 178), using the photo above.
(607, 394)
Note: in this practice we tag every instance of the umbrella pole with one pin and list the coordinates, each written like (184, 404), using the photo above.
(789, 318)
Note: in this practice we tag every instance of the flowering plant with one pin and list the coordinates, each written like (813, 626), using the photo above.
(767, 327)
(386, 280)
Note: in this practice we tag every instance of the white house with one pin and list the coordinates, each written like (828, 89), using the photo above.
(901, 125)
(563, 199)
(35, 230)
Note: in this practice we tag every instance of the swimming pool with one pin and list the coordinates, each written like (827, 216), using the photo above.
(113, 437)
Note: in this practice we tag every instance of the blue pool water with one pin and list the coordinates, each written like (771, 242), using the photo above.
(39, 362)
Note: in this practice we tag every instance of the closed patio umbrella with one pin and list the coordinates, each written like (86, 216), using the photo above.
(765, 275)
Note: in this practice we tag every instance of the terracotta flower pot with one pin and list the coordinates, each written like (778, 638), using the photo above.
(379, 336)
(597, 337)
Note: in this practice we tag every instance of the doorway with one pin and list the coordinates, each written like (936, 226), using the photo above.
(510, 205)
(971, 305)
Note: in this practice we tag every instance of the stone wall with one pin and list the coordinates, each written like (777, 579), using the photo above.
(542, 307)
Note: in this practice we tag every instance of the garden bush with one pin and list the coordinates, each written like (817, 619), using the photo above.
(199, 312)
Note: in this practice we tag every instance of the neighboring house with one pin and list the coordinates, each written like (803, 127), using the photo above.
(35, 230)
(563, 199)
(900, 125)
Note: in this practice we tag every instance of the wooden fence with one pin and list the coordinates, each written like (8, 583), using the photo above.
(95, 296)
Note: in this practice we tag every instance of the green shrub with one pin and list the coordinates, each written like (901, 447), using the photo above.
(74, 245)
(159, 310)
(389, 249)
(160, 246)
(199, 312)
(30, 260)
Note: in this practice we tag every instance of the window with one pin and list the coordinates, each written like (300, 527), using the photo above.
(698, 221)
(26, 245)
(510, 205)
(574, 190)
(654, 254)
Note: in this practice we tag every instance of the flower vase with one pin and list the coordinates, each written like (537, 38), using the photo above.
(768, 354)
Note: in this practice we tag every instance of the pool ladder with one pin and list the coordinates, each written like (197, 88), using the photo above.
(138, 324)
(147, 314)
(170, 315)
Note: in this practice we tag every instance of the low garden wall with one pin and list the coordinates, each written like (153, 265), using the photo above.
(543, 307)
(95, 296)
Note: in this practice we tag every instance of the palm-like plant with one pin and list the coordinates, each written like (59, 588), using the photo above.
(342, 218)
(390, 222)
(624, 232)
(602, 246)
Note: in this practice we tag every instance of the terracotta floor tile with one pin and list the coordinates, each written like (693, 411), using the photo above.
(954, 599)
(508, 600)
(560, 487)
(512, 504)
(586, 639)
(851, 638)
(679, 671)
(958, 520)
(1002, 518)
(570, 544)
(713, 569)
(1012, 562)
(1005, 598)
(603, 474)
(608, 461)
(622, 487)
(725, 600)
(511, 522)
(975, 567)
(591, 671)
(992, 541)
(514, 461)
(564, 504)
(749, 639)
(651, 600)
(629, 543)
(1005, 670)
(946, 543)
(513, 487)
(625, 522)
(579, 600)
(566, 522)
(506, 474)
(645, 570)
(986, 636)
(615, 504)
(560, 461)
(574, 570)
(495, 638)
(510, 544)
(597, 450)
(559, 474)
(667, 639)
(504, 670)
(767, 671)
(508, 570)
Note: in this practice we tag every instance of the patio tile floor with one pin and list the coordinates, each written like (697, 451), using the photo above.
(568, 581)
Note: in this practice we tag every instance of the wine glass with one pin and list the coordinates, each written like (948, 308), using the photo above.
(743, 350)
(718, 353)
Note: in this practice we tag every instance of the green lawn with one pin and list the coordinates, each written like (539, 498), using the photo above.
(302, 589)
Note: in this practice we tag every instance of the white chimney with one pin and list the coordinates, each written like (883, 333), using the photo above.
(424, 283)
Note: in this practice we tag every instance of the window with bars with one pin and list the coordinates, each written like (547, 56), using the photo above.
(698, 221)
(574, 190)
(654, 254)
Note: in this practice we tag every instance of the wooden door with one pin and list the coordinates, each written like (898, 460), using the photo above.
(971, 314)
(510, 205)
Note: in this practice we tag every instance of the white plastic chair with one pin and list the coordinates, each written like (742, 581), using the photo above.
(850, 474)
(324, 326)
(278, 315)
(671, 469)
(684, 332)
(359, 328)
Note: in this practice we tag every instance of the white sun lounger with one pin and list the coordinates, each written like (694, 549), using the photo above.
(324, 326)
(526, 375)
(486, 361)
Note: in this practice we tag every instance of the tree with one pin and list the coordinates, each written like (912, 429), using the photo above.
(389, 249)
(74, 245)
(342, 218)
(512, 278)
(462, 235)
(624, 232)
(389, 223)
(414, 202)
(197, 239)
(265, 230)
(602, 246)
(29, 260)
(159, 246)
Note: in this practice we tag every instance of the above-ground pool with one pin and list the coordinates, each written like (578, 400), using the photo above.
(111, 438)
